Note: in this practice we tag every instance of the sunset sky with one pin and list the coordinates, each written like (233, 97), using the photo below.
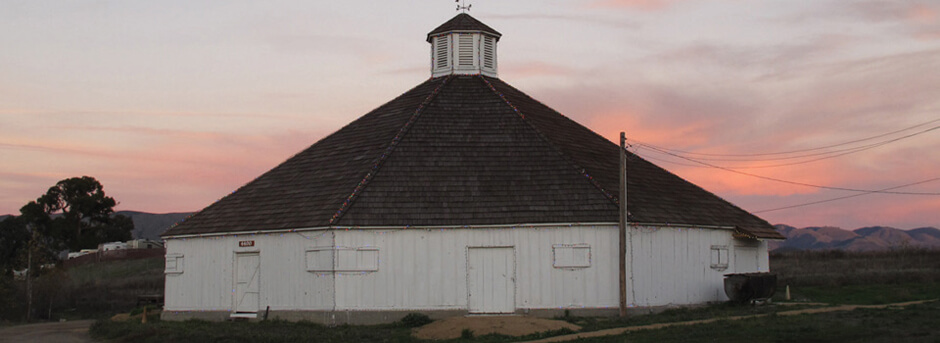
(174, 104)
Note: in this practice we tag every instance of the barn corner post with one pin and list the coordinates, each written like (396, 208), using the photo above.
(623, 225)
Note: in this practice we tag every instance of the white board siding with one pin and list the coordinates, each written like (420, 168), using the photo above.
(672, 266)
(207, 284)
(426, 269)
(422, 269)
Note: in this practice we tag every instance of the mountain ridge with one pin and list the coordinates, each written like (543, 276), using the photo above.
(869, 238)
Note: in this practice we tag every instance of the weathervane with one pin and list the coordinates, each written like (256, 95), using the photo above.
(463, 8)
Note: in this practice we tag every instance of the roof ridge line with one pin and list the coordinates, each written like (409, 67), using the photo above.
(377, 163)
(542, 136)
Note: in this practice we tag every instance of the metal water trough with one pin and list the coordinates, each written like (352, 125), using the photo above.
(748, 287)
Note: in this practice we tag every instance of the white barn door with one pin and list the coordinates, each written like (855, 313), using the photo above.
(247, 282)
(491, 280)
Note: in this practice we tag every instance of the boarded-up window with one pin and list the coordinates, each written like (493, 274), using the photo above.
(319, 259)
(342, 259)
(357, 260)
(719, 257)
(174, 264)
(571, 256)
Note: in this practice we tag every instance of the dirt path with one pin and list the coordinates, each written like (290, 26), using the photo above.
(451, 328)
(65, 332)
(617, 331)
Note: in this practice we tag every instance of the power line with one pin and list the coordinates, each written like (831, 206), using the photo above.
(648, 157)
(804, 150)
(791, 182)
(837, 153)
(843, 197)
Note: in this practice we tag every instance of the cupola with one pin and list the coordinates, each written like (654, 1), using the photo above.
(463, 46)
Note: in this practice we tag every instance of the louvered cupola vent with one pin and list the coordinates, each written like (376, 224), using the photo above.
(465, 50)
(489, 53)
(441, 52)
(463, 46)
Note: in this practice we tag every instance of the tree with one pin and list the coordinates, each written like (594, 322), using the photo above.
(76, 214)
(13, 239)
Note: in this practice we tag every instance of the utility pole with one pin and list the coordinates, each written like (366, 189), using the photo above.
(623, 224)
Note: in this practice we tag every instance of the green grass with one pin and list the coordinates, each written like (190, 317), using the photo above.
(867, 294)
(722, 310)
(197, 331)
(270, 331)
(918, 323)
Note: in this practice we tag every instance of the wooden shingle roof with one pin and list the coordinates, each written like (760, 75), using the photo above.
(463, 23)
(463, 150)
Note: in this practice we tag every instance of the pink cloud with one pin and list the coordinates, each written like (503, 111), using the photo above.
(922, 13)
(160, 170)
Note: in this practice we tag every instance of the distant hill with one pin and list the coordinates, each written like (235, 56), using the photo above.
(870, 238)
(151, 225)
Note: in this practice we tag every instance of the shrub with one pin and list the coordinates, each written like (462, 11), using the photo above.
(466, 334)
(414, 320)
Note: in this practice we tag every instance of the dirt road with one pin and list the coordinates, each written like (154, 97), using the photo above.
(66, 332)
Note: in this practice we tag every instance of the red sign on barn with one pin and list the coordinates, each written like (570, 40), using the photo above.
(245, 244)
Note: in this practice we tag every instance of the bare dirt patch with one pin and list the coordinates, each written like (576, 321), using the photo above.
(66, 332)
(121, 317)
(450, 328)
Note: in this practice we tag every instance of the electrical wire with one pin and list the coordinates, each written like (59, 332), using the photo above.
(844, 197)
(791, 182)
(804, 150)
(838, 153)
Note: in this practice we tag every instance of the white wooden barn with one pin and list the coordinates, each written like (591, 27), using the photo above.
(461, 196)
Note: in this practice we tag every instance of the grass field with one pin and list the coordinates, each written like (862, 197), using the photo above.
(827, 277)
(918, 323)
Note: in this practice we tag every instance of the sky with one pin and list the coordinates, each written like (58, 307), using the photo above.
(174, 104)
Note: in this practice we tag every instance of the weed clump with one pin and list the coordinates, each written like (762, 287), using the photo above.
(413, 320)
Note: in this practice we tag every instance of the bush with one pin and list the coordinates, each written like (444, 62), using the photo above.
(414, 320)
(466, 334)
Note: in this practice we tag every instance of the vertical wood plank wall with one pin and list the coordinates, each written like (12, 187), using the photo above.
(423, 269)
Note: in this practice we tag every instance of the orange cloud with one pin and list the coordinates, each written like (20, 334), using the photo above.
(610, 123)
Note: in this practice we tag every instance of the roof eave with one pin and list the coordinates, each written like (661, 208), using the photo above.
(444, 33)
